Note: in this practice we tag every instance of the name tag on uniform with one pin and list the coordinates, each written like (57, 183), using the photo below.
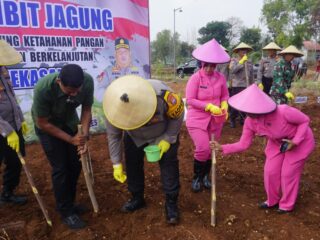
(205, 87)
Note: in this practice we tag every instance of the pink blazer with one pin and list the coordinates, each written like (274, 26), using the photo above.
(201, 90)
(284, 123)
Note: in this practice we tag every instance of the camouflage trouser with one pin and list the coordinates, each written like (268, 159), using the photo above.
(279, 98)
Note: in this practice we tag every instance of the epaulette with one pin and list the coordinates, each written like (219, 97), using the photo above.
(174, 102)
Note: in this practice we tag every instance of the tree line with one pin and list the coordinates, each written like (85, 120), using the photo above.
(288, 22)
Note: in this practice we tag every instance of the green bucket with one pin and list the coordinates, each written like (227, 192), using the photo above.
(152, 153)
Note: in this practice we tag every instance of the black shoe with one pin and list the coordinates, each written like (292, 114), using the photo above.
(7, 197)
(171, 208)
(74, 222)
(206, 182)
(196, 185)
(232, 124)
(282, 211)
(80, 209)
(264, 205)
(133, 205)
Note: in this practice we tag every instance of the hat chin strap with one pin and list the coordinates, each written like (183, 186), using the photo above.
(124, 98)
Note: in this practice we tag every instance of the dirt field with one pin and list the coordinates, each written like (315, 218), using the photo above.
(239, 189)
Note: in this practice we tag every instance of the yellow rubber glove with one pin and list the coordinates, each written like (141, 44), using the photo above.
(243, 59)
(213, 109)
(227, 115)
(13, 141)
(164, 147)
(289, 96)
(24, 128)
(118, 173)
(224, 105)
(260, 85)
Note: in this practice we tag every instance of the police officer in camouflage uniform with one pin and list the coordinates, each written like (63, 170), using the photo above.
(144, 112)
(265, 72)
(283, 75)
(241, 70)
(123, 66)
(12, 128)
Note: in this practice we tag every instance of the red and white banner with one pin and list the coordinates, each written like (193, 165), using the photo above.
(107, 39)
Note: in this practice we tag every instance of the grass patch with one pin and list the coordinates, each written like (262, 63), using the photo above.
(306, 87)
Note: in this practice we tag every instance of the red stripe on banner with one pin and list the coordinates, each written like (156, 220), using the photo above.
(127, 27)
(142, 3)
(122, 27)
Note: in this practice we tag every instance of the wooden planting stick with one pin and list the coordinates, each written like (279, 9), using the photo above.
(246, 73)
(34, 189)
(84, 162)
(213, 186)
(89, 166)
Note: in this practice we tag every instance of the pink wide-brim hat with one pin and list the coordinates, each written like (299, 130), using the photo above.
(252, 100)
(211, 52)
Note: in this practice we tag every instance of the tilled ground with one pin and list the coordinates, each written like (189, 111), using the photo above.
(239, 189)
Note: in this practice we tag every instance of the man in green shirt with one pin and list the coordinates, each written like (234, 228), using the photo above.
(56, 97)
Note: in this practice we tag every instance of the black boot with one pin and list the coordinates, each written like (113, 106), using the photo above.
(206, 175)
(197, 177)
(135, 203)
(171, 208)
(74, 222)
(10, 197)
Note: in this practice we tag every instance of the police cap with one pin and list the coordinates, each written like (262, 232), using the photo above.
(122, 43)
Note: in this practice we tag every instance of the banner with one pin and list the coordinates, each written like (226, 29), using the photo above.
(107, 39)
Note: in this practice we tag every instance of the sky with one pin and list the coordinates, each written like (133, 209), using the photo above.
(197, 13)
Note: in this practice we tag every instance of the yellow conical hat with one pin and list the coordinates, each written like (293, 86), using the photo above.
(8, 55)
(242, 46)
(129, 102)
(272, 46)
(291, 50)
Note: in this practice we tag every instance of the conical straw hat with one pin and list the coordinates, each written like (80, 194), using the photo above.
(211, 52)
(252, 100)
(242, 46)
(8, 55)
(129, 102)
(291, 50)
(272, 46)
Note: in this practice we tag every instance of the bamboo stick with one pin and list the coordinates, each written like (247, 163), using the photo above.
(213, 186)
(34, 190)
(246, 72)
(89, 166)
(84, 162)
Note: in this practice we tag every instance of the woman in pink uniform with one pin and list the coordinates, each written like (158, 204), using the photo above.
(290, 142)
(206, 94)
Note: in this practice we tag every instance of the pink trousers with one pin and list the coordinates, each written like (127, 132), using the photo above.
(282, 172)
(201, 139)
